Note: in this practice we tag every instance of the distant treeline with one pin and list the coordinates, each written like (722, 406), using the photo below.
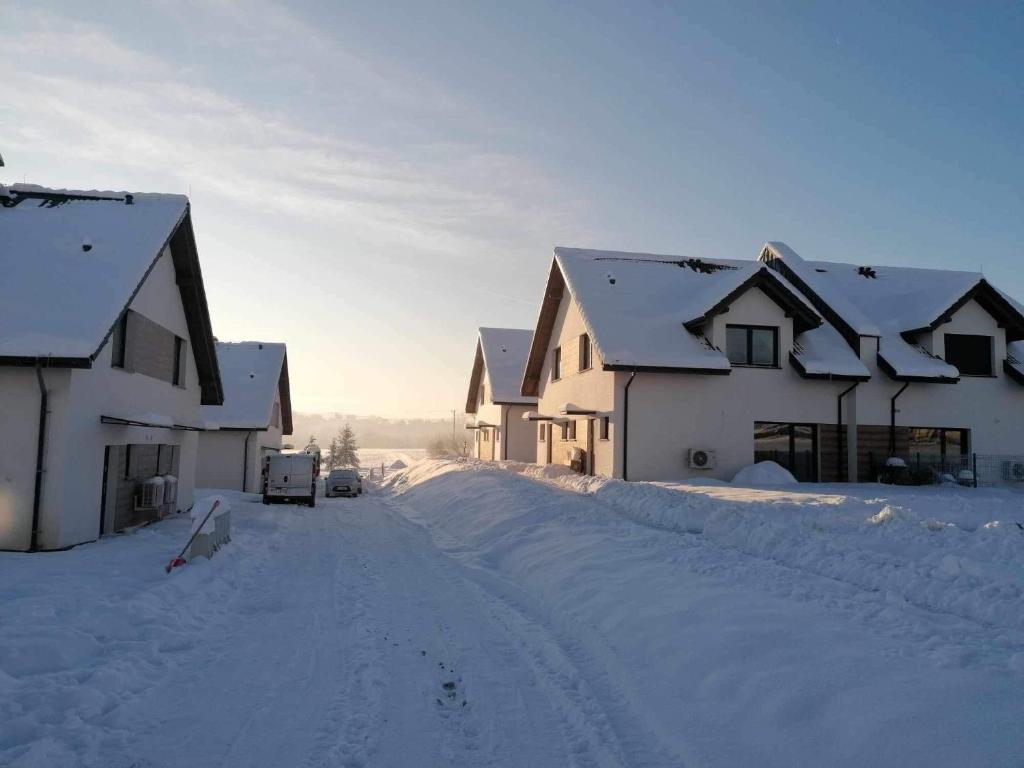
(371, 431)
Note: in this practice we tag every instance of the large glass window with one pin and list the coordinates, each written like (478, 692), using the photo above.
(793, 446)
(932, 441)
(752, 345)
(971, 354)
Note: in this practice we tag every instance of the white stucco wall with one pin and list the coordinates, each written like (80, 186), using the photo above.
(73, 481)
(672, 413)
(992, 408)
(593, 389)
(222, 454)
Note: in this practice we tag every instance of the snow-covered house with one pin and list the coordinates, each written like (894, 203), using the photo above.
(494, 399)
(256, 412)
(106, 355)
(664, 368)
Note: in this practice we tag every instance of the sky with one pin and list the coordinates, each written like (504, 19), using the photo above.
(371, 182)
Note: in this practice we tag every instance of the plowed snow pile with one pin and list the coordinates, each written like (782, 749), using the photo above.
(815, 625)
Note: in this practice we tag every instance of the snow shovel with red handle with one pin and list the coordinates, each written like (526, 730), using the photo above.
(180, 560)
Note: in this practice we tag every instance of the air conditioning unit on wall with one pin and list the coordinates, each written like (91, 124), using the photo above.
(701, 458)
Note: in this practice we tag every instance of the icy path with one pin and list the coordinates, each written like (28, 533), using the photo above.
(335, 636)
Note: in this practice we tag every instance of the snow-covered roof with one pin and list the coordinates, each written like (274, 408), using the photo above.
(891, 303)
(70, 263)
(252, 373)
(505, 351)
(500, 359)
(822, 352)
(637, 305)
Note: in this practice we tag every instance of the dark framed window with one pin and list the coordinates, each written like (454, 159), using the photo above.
(752, 345)
(120, 341)
(604, 427)
(178, 378)
(585, 362)
(969, 353)
(487, 436)
(572, 429)
(793, 446)
(540, 432)
(938, 441)
(128, 461)
(556, 364)
(563, 431)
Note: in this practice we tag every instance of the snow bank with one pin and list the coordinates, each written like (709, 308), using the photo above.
(764, 473)
(800, 629)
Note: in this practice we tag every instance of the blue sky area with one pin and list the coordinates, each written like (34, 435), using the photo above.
(395, 174)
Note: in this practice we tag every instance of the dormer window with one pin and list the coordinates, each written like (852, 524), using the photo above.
(970, 354)
(754, 346)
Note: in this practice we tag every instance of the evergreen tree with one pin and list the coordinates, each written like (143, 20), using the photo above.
(348, 451)
(331, 459)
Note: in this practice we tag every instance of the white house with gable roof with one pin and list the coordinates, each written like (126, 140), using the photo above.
(106, 356)
(256, 412)
(494, 400)
(659, 367)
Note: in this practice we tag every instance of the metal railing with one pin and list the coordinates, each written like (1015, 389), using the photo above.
(969, 469)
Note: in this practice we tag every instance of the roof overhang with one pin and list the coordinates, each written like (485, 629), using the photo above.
(120, 422)
(46, 362)
(1013, 370)
(554, 290)
(284, 392)
(804, 318)
(893, 374)
(804, 374)
(534, 416)
(475, 378)
(665, 369)
(993, 302)
(571, 409)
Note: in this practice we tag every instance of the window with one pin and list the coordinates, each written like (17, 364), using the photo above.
(972, 355)
(604, 427)
(584, 352)
(487, 436)
(178, 377)
(794, 446)
(563, 431)
(752, 345)
(572, 429)
(120, 341)
(540, 432)
(556, 364)
(932, 441)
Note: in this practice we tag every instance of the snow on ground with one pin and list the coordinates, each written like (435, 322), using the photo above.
(474, 614)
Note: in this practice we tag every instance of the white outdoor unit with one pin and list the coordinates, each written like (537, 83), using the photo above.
(170, 494)
(1013, 471)
(701, 458)
(151, 493)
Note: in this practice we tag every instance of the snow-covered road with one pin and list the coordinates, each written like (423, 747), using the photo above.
(334, 636)
(469, 616)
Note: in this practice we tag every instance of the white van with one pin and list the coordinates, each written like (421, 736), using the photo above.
(291, 477)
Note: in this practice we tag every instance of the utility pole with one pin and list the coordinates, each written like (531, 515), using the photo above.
(455, 436)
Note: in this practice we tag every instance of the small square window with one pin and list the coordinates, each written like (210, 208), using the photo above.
(751, 345)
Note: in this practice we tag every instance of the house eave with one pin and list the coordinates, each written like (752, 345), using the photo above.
(665, 369)
(804, 374)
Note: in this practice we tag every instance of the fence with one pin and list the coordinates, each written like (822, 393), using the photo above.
(969, 469)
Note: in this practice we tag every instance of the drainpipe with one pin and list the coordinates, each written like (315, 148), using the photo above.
(892, 418)
(40, 450)
(840, 443)
(625, 428)
(245, 461)
(504, 432)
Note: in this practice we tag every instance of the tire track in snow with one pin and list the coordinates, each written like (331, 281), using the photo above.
(597, 725)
